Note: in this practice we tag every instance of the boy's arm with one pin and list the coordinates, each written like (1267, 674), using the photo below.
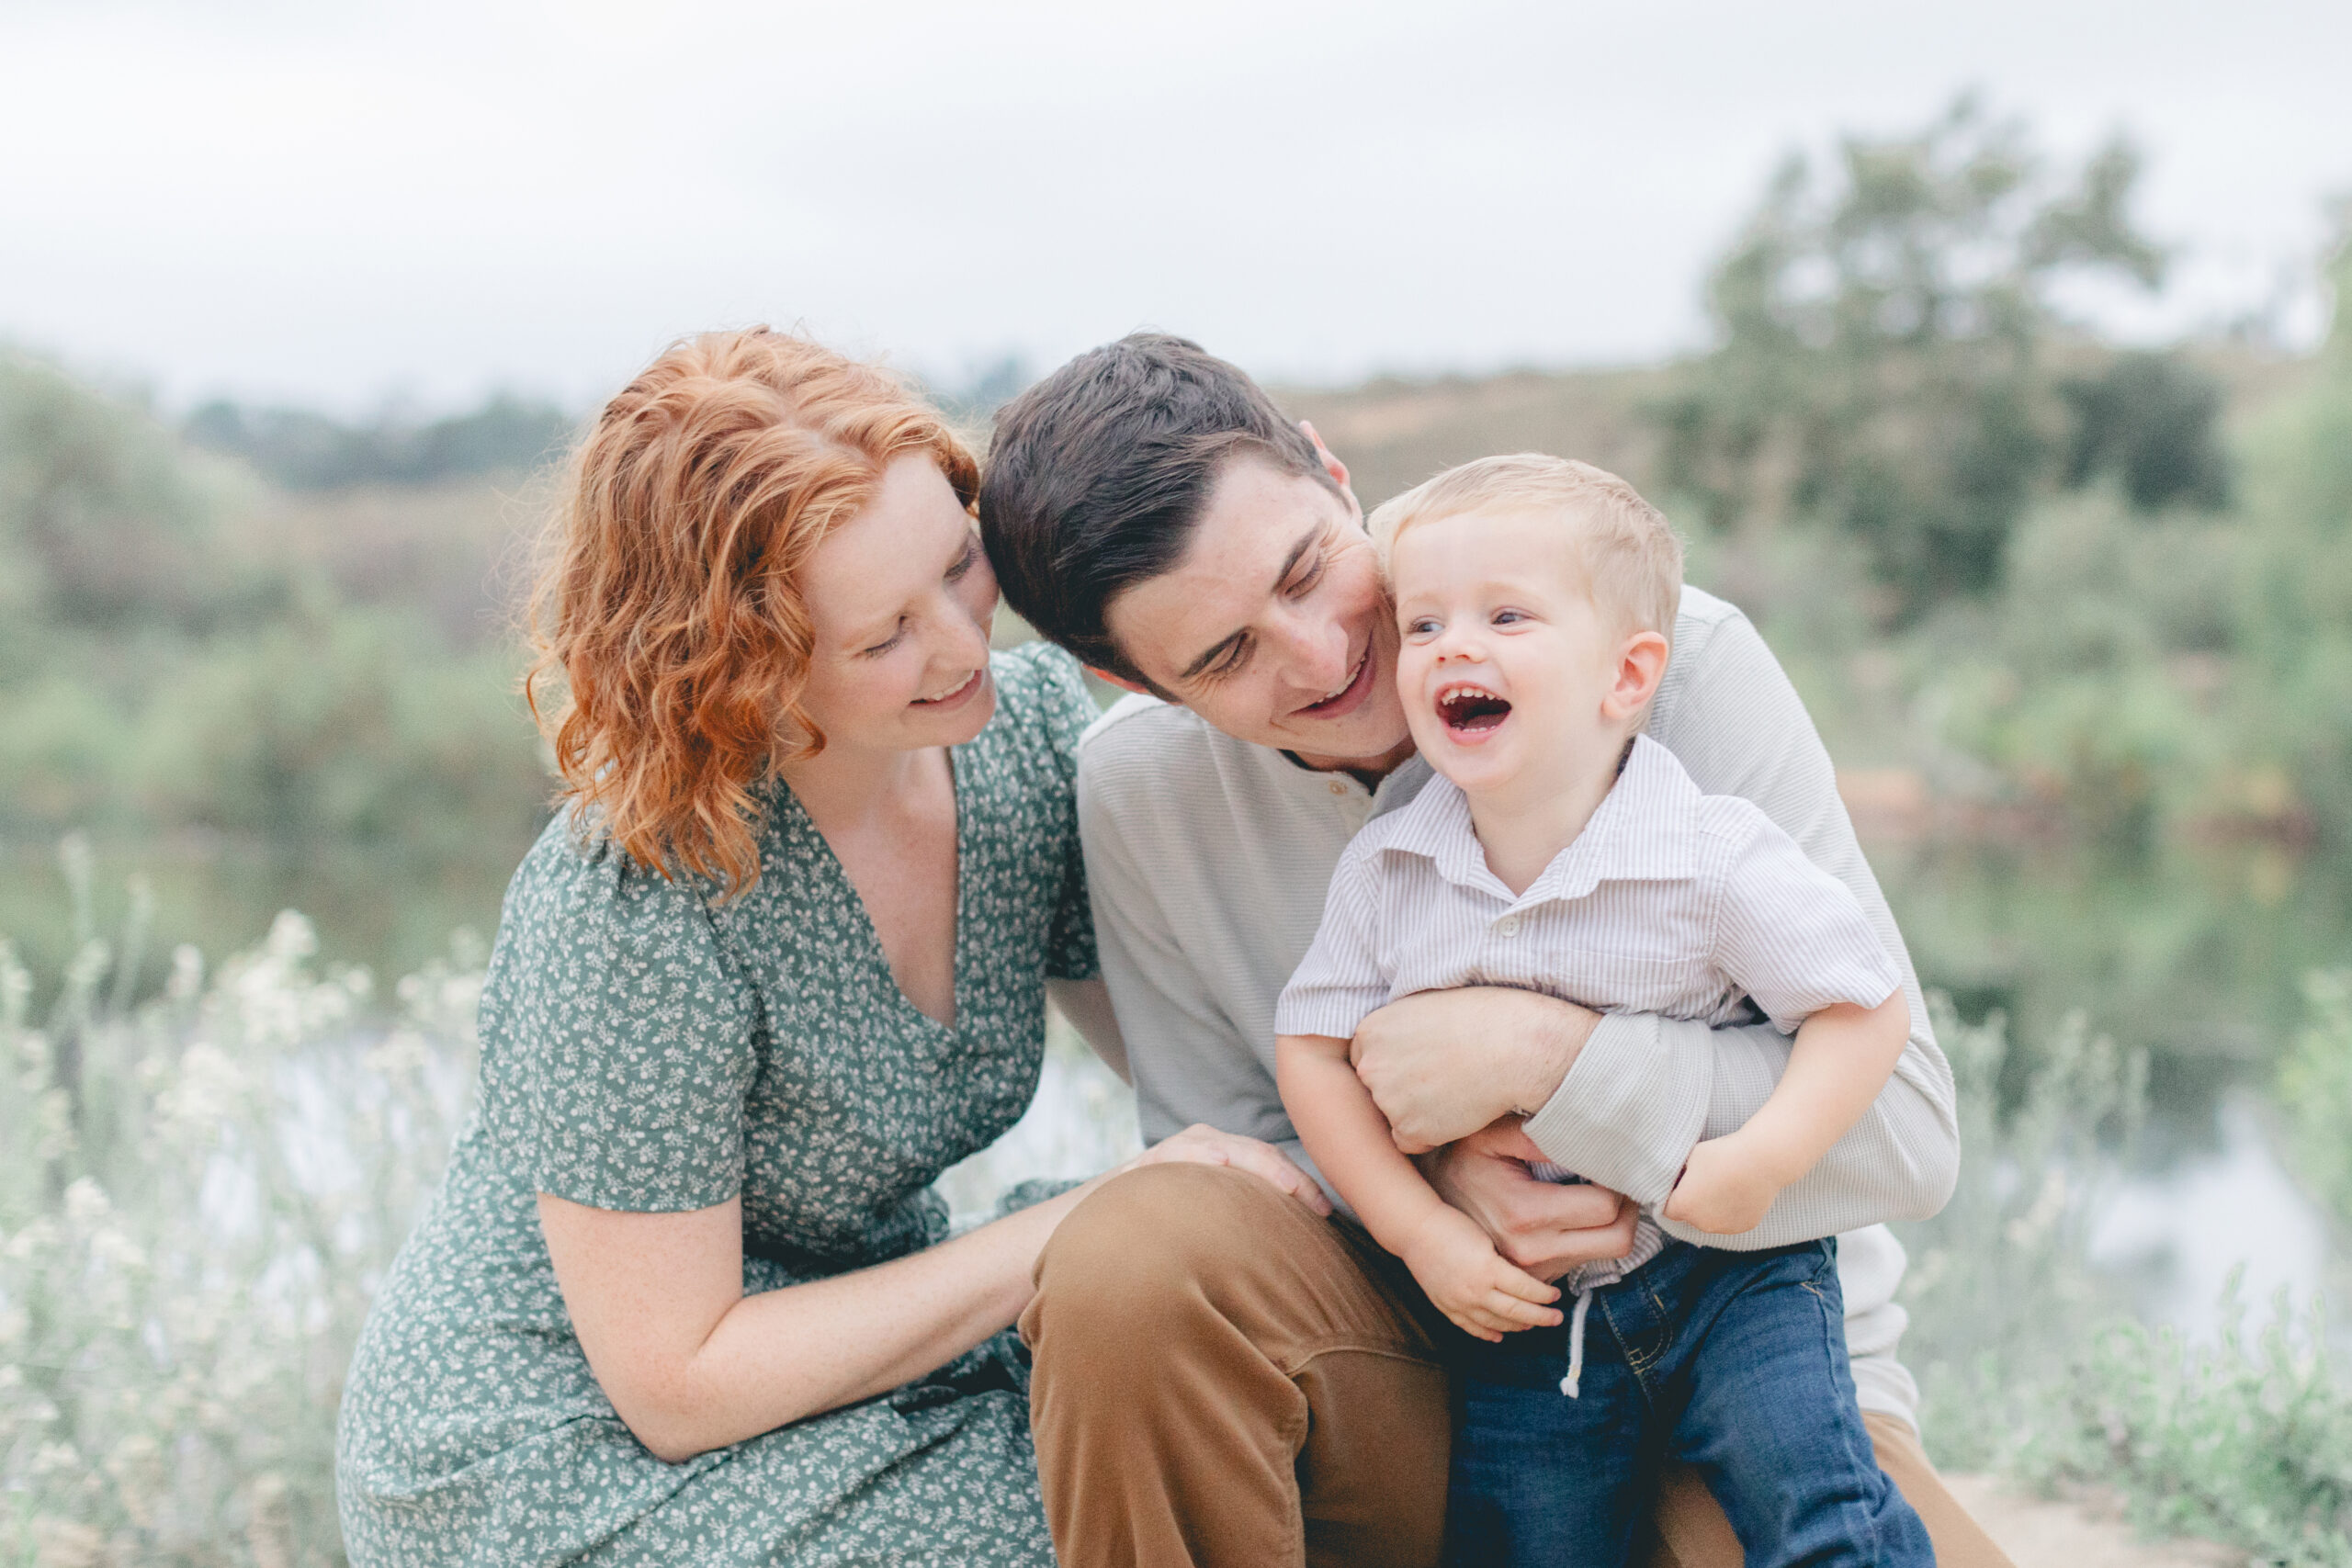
(1795, 941)
(1445, 1249)
(1839, 1061)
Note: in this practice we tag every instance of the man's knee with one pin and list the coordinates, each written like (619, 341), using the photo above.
(1155, 1238)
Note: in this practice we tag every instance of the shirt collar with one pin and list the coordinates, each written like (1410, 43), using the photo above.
(1640, 832)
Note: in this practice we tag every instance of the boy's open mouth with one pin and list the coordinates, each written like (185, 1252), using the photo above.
(1467, 711)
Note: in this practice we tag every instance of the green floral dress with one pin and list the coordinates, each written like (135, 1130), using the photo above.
(644, 1049)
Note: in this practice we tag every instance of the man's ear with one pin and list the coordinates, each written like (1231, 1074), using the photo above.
(1121, 681)
(1331, 464)
(1640, 665)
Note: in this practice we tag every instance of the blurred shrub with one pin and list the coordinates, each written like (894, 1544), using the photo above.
(2151, 423)
(2315, 1093)
(304, 450)
(171, 663)
(198, 1197)
(2000, 1290)
(2029, 1364)
(1883, 346)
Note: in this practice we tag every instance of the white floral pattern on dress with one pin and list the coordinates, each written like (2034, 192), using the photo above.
(646, 1048)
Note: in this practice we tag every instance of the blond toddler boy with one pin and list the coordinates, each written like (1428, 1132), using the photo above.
(1560, 850)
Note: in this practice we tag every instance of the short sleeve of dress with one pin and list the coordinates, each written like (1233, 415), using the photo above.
(618, 1038)
(1066, 708)
(1790, 934)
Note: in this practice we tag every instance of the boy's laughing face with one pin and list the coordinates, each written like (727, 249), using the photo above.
(1273, 625)
(1506, 669)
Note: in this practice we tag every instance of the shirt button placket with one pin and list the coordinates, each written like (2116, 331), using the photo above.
(1508, 926)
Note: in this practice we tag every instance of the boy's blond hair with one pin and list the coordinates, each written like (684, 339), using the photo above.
(1630, 560)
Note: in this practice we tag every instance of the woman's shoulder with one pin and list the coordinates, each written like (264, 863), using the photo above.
(577, 886)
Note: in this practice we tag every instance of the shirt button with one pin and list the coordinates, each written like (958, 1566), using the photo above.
(1507, 926)
(1339, 788)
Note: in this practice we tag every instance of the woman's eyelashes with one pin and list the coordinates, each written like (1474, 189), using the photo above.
(958, 570)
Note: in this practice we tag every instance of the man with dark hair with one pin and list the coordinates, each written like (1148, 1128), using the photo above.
(1221, 1376)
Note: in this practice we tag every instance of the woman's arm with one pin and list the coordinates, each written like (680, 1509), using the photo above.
(691, 1363)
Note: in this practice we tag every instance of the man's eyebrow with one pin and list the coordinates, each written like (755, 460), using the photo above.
(1290, 562)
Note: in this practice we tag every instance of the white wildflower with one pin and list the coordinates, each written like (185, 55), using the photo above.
(37, 1237)
(292, 937)
(66, 1543)
(110, 1244)
(186, 982)
(56, 1458)
(86, 1202)
(209, 1087)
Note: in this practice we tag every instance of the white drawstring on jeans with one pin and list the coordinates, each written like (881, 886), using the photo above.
(1576, 1342)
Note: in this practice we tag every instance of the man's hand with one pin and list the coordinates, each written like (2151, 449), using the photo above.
(1544, 1227)
(1440, 1065)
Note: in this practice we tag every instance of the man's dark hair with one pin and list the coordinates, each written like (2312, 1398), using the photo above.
(1097, 473)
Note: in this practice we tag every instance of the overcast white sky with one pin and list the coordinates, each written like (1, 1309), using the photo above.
(334, 203)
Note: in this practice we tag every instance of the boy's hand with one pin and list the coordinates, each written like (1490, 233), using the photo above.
(1726, 1190)
(1470, 1282)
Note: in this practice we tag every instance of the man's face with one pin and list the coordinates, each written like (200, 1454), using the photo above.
(1273, 625)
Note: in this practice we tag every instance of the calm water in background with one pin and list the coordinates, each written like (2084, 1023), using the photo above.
(2195, 954)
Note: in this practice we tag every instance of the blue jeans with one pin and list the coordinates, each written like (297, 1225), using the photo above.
(1735, 1361)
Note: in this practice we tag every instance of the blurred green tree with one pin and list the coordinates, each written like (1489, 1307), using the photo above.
(1883, 340)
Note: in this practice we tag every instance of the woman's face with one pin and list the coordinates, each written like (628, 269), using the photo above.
(900, 598)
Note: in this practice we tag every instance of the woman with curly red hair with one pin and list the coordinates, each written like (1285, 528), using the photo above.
(686, 1294)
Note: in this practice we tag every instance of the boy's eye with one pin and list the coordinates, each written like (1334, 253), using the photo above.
(1506, 618)
(1421, 626)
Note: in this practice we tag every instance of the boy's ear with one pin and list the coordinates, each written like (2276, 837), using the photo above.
(1640, 665)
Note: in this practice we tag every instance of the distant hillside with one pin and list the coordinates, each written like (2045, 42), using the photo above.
(1392, 434)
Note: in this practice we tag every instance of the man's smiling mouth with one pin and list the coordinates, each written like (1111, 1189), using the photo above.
(1466, 709)
(1355, 674)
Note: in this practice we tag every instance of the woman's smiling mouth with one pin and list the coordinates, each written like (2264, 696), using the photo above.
(954, 695)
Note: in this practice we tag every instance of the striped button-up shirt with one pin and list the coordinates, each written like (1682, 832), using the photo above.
(1671, 901)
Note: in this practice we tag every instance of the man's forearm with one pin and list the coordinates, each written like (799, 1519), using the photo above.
(1645, 1089)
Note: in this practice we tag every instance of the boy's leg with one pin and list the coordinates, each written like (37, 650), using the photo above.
(1223, 1378)
(1542, 1480)
(1766, 1414)
(1691, 1530)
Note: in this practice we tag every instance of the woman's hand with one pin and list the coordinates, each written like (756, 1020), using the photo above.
(1201, 1143)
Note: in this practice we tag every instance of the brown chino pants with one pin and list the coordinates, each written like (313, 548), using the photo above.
(1223, 1378)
